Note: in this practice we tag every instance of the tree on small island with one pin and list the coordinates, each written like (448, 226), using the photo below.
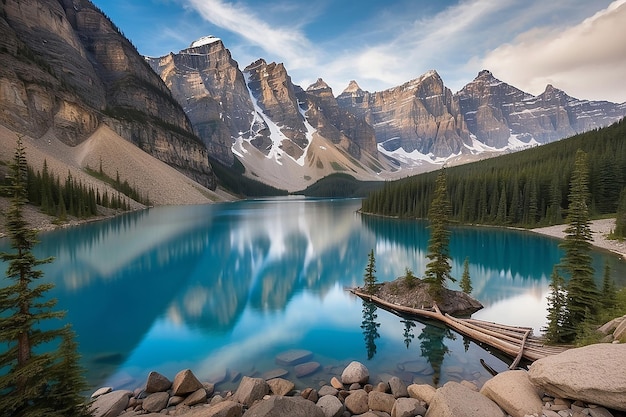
(369, 277)
(34, 382)
(439, 268)
(466, 281)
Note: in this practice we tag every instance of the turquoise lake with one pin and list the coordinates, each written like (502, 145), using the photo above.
(222, 289)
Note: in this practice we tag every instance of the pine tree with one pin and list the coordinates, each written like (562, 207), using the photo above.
(27, 370)
(557, 313)
(609, 293)
(620, 220)
(582, 295)
(466, 282)
(369, 277)
(439, 268)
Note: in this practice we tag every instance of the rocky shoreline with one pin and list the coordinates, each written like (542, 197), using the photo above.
(588, 381)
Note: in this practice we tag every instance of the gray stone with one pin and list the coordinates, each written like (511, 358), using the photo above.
(280, 386)
(155, 402)
(331, 406)
(101, 391)
(454, 400)
(175, 400)
(620, 331)
(398, 387)
(222, 409)
(513, 392)
(599, 412)
(407, 407)
(380, 401)
(355, 372)
(209, 388)
(111, 404)
(279, 406)
(274, 373)
(422, 392)
(185, 382)
(306, 368)
(328, 390)
(357, 402)
(310, 394)
(250, 390)
(197, 397)
(293, 357)
(610, 326)
(157, 383)
(594, 374)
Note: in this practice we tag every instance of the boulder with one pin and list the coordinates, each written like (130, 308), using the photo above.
(513, 392)
(221, 409)
(594, 374)
(111, 404)
(157, 383)
(398, 387)
(610, 326)
(336, 383)
(620, 331)
(306, 368)
(101, 391)
(279, 406)
(197, 397)
(274, 373)
(293, 357)
(280, 386)
(380, 401)
(454, 400)
(155, 402)
(185, 382)
(310, 394)
(407, 407)
(331, 406)
(250, 390)
(422, 392)
(355, 372)
(357, 402)
(327, 390)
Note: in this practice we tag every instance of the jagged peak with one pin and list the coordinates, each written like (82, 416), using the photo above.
(485, 73)
(353, 87)
(256, 64)
(205, 40)
(318, 85)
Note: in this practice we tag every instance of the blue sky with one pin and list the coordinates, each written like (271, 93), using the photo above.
(576, 45)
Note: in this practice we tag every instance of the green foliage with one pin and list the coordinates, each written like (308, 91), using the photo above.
(122, 186)
(341, 185)
(33, 382)
(233, 179)
(370, 326)
(527, 188)
(439, 268)
(556, 309)
(609, 293)
(466, 281)
(410, 280)
(370, 278)
(620, 220)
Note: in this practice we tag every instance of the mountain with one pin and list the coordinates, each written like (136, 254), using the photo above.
(67, 72)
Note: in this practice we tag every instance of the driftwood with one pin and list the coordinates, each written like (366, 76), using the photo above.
(517, 342)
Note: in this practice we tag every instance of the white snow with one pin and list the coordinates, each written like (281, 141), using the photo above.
(205, 40)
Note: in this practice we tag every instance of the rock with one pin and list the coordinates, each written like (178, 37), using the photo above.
(421, 392)
(594, 374)
(175, 400)
(454, 400)
(620, 331)
(331, 406)
(101, 391)
(157, 383)
(185, 382)
(513, 392)
(398, 387)
(381, 387)
(336, 383)
(218, 377)
(278, 406)
(198, 397)
(275, 373)
(470, 385)
(155, 402)
(310, 394)
(306, 368)
(328, 390)
(111, 404)
(209, 388)
(357, 402)
(355, 372)
(250, 390)
(599, 412)
(610, 326)
(280, 386)
(380, 401)
(293, 357)
(222, 409)
(407, 407)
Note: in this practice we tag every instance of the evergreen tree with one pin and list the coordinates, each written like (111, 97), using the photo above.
(369, 277)
(28, 373)
(439, 268)
(409, 278)
(556, 309)
(582, 295)
(609, 293)
(620, 220)
(466, 282)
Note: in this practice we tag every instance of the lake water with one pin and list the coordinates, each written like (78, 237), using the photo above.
(223, 289)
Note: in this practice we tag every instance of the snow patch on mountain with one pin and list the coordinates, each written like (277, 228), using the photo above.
(205, 40)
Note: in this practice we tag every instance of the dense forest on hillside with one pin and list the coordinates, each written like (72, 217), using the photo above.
(341, 185)
(527, 188)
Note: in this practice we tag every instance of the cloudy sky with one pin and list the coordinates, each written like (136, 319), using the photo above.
(577, 45)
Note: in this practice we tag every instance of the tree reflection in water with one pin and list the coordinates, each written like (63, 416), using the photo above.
(408, 332)
(433, 347)
(370, 328)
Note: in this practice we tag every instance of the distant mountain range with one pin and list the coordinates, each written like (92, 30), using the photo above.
(67, 70)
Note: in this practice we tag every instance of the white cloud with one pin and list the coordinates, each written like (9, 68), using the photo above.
(587, 60)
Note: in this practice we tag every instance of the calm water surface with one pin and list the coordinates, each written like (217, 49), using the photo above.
(222, 289)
